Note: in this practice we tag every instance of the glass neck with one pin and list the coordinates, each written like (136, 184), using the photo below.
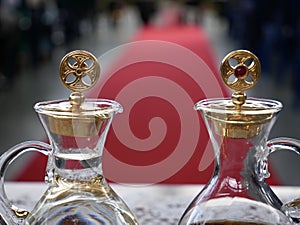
(232, 155)
(233, 165)
(238, 158)
(76, 157)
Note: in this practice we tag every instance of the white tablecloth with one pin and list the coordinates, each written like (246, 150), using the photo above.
(151, 204)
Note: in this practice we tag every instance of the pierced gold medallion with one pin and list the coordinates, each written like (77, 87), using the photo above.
(79, 70)
(246, 72)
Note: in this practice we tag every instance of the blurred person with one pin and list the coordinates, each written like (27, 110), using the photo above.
(147, 9)
(294, 21)
(9, 33)
(72, 14)
(193, 11)
(168, 15)
(38, 32)
(270, 36)
(279, 41)
(115, 9)
(244, 23)
(236, 19)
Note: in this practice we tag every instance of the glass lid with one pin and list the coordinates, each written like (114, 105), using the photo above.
(252, 106)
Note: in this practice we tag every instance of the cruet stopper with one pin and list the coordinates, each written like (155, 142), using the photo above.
(79, 72)
(238, 118)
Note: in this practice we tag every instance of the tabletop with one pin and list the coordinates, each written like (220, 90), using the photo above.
(151, 204)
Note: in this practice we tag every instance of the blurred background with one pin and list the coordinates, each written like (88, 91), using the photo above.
(36, 34)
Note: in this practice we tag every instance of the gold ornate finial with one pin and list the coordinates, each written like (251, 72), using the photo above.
(240, 71)
(79, 70)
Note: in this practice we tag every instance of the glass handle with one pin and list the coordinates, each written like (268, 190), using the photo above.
(284, 143)
(292, 208)
(10, 213)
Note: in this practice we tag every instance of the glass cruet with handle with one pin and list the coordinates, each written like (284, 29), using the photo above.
(237, 193)
(77, 191)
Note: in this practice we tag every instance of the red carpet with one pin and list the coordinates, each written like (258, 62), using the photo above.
(157, 78)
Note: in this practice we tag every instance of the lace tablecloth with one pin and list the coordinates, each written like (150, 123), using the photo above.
(151, 204)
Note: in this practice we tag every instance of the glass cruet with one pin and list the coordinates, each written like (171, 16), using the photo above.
(237, 193)
(77, 191)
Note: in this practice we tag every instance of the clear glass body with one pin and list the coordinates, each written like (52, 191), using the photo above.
(78, 192)
(237, 192)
